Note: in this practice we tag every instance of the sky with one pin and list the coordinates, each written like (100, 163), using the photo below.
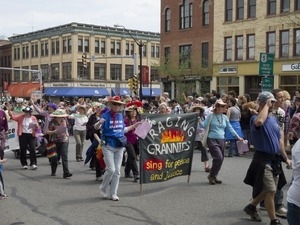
(23, 16)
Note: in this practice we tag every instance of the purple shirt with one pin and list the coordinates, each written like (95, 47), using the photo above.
(131, 136)
(3, 121)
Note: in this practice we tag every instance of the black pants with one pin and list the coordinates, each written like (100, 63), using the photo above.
(131, 160)
(27, 141)
(62, 151)
(198, 145)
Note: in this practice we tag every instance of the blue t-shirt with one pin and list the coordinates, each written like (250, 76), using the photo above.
(266, 138)
(112, 128)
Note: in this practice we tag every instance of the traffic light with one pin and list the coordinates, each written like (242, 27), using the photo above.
(135, 84)
(84, 58)
(130, 84)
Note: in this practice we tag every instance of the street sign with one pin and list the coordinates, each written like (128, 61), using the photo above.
(266, 64)
(267, 84)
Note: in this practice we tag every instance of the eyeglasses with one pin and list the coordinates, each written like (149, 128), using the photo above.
(116, 104)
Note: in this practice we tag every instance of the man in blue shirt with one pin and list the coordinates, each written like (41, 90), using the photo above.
(265, 174)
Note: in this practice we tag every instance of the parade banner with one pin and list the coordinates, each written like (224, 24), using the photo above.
(167, 150)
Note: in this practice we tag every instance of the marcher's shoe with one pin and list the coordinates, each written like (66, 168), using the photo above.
(33, 167)
(253, 213)
(3, 196)
(115, 198)
(99, 178)
(25, 167)
(207, 169)
(53, 174)
(128, 176)
(81, 159)
(281, 212)
(218, 181)
(136, 178)
(211, 179)
(68, 175)
(229, 155)
(102, 192)
(275, 222)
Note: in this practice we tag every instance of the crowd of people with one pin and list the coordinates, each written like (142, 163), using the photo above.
(269, 123)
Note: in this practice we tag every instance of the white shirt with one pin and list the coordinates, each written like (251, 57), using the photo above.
(26, 121)
(293, 194)
(80, 121)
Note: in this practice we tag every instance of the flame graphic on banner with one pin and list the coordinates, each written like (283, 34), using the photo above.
(172, 135)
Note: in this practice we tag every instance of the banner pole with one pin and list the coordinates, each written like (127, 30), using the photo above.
(141, 167)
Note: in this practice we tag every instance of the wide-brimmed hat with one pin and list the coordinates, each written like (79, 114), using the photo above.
(115, 99)
(82, 107)
(135, 103)
(219, 102)
(27, 109)
(197, 106)
(59, 113)
(130, 108)
(52, 105)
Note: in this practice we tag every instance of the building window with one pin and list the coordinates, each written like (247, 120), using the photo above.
(154, 74)
(45, 72)
(186, 15)
(144, 51)
(251, 8)
(167, 55)
(25, 52)
(100, 71)
(127, 49)
(34, 75)
(251, 46)
(290, 83)
(97, 46)
(80, 44)
(44, 48)
(240, 9)
(86, 45)
(284, 43)
(228, 10)
(112, 48)
(25, 74)
(271, 42)
(67, 45)
(16, 53)
(297, 4)
(271, 7)
(284, 6)
(239, 47)
(132, 49)
(167, 20)
(185, 56)
(157, 51)
(67, 71)
(204, 55)
(83, 73)
(115, 71)
(152, 51)
(55, 46)
(17, 75)
(118, 48)
(103, 47)
(54, 72)
(228, 49)
(297, 42)
(129, 71)
(205, 13)
(227, 84)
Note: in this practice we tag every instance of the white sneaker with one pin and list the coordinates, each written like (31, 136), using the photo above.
(281, 212)
(102, 192)
(25, 167)
(115, 198)
(99, 178)
(33, 167)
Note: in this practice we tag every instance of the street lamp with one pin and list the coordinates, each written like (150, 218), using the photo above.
(140, 44)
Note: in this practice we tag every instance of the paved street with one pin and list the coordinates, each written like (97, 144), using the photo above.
(37, 198)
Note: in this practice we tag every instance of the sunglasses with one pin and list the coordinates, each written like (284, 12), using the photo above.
(116, 104)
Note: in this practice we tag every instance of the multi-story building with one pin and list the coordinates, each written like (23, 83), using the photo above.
(187, 46)
(5, 61)
(245, 28)
(57, 52)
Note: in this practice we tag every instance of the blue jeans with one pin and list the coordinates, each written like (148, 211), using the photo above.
(232, 146)
(113, 160)
(293, 214)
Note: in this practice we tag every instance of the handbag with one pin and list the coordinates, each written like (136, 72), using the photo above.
(51, 149)
(242, 146)
(205, 134)
(121, 141)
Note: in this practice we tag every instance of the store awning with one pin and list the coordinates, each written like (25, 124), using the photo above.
(23, 90)
(76, 91)
(88, 92)
(120, 91)
(154, 92)
(57, 91)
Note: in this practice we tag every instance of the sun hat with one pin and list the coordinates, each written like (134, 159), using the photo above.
(59, 113)
(52, 105)
(134, 103)
(115, 99)
(219, 102)
(27, 109)
(82, 107)
(197, 106)
(264, 96)
(20, 100)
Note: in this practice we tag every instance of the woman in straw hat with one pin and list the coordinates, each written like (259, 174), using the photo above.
(216, 141)
(79, 129)
(113, 145)
(58, 133)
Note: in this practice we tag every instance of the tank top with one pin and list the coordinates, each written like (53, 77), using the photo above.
(235, 113)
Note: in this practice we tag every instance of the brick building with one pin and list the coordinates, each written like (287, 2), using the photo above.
(186, 46)
(57, 53)
(5, 61)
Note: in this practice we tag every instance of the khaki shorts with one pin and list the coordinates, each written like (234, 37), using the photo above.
(269, 181)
